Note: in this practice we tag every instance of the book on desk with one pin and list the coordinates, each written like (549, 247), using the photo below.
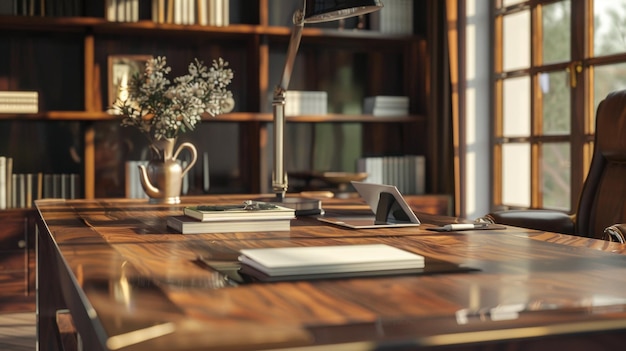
(315, 260)
(250, 216)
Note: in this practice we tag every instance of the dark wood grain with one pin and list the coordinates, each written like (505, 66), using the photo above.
(119, 269)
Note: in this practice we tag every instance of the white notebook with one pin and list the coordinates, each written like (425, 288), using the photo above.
(329, 259)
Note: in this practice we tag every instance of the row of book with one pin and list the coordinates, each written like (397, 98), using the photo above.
(48, 8)
(407, 172)
(19, 102)
(386, 106)
(396, 17)
(249, 216)
(202, 12)
(306, 103)
(20, 190)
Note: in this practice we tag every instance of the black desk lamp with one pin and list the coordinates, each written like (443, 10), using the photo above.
(314, 11)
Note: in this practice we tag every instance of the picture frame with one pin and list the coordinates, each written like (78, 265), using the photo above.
(120, 69)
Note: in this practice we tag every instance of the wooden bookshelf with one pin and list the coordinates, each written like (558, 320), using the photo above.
(76, 51)
(65, 59)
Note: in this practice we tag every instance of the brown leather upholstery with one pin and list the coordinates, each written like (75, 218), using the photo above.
(602, 202)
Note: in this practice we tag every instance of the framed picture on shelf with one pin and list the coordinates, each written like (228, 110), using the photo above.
(120, 70)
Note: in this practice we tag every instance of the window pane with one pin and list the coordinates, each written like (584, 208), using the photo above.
(555, 175)
(556, 32)
(606, 79)
(516, 174)
(516, 41)
(556, 102)
(609, 18)
(516, 105)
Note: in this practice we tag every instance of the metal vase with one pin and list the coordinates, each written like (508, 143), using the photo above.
(162, 178)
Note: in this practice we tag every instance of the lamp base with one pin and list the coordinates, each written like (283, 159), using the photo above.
(303, 206)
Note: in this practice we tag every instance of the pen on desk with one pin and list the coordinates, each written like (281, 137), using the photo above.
(465, 226)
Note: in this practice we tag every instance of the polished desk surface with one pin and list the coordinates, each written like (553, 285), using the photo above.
(132, 284)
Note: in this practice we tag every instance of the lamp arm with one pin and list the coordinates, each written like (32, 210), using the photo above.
(279, 176)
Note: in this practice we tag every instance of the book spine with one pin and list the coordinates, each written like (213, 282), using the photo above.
(9, 180)
(306, 103)
(3, 182)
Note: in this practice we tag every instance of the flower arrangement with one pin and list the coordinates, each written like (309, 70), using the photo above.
(162, 109)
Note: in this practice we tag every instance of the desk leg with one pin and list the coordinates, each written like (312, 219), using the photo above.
(48, 292)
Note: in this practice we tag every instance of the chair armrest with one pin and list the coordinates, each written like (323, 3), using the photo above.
(545, 220)
(615, 233)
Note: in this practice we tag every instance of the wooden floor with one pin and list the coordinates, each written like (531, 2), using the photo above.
(17, 331)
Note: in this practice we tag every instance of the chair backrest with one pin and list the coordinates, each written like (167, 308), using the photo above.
(603, 197)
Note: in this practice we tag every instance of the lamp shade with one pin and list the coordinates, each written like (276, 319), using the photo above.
(329, 10)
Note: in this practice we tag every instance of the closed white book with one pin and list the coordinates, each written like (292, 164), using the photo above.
(188, 225)
(238, 212)
(18, 96)
(18, 108)
(329, 259)
(19, 102)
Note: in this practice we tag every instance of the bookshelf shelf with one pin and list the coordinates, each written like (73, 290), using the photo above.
(83, 116)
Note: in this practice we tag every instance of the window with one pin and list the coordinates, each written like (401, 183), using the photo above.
(554, 61)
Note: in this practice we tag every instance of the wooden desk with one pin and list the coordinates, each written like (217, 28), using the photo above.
(131, 284)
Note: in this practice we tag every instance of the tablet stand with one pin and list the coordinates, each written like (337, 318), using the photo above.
(389, 211)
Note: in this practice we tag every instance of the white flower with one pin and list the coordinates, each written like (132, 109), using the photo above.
(161, 109)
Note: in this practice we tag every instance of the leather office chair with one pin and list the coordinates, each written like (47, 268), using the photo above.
(601, 211)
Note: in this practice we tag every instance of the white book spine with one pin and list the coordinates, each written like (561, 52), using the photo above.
(178, 11)
(14, 195)
(134, 10)
(3, 182)
(206, 184)
(225, 12)
(420, 175)
(29, 190)
(203, 12)
(120, 10)
(9, 180)
(21, 190)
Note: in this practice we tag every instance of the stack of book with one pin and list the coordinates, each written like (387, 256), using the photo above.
(247, 217)
(19, 102)
(42, 7)
(386, 106)
(188, 12)
(406, 172)
(396, 17)
(306, 103)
